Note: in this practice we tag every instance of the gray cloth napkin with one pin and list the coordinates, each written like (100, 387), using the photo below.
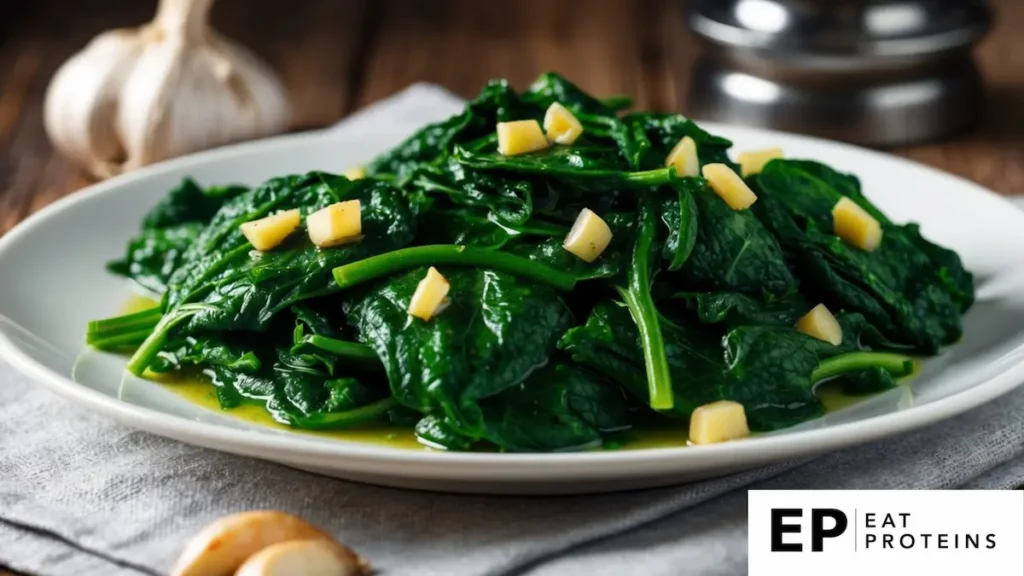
(81, 495)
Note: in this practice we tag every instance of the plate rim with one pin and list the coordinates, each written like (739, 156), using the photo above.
(665, 460)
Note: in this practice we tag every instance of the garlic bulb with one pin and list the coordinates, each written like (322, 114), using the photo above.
(137, 96)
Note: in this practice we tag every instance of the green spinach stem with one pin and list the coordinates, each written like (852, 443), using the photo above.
(641, 305)
(896, 364)
(120, 341)
(144, 320)
(652, 178)
(390, 263)
(351, 350)
(153, 343)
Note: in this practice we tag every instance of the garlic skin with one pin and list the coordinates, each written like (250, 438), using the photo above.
(133, 97)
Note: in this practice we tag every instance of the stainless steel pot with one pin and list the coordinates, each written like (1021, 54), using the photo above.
(879, 73)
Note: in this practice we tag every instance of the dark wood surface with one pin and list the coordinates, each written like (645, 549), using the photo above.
(338, 55)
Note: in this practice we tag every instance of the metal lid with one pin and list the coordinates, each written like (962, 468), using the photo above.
(862, 31)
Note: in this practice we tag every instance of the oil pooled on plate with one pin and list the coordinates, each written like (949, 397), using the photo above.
(200, 391)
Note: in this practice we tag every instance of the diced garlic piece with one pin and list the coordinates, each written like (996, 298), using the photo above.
(560, 125)
(266, 233)
(821, 324)
(684, 157)
(520, 137)
(729, 186)
(753, 162)
(357, 173)
(718, 422)
(854, 225)
(430, 296)
(589, 236)
(337, 224)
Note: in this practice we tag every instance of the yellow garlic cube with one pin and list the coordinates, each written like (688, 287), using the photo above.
(430, 296)
(357, 173)
(729, 186)
(520, 137)
(718, 422)
(753, 162)
(266, 233)
(821, 324)
(589, 236)
(337, 224)
(854, 225)
(684, 157)
(560, 125)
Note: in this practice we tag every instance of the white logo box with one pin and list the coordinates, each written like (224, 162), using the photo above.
(959, 533)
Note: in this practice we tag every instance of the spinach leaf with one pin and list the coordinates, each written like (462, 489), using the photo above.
(433, 431)
(154, 255)
(679, 214)
(306, 397)
(551, 87)
(911, 289)
(231, 353)
(560, 407)
(611, 263)
(497, 102)
(870, 381)
(189, 203)
(735, 309)
(298, 392)
(657, 134)
(315, 320)
(168, 229)
(733, 251)
(609, 343)
(225, 286)
(509, 199)
(599, 121)
(770, 370)
(956, 279)
(497, 330)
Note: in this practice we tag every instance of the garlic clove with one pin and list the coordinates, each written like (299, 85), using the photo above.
(176, 102)
(304, 558)
(134, 97)
(220, 548)
(82, 99)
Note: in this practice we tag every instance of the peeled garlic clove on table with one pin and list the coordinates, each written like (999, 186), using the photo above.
(304, 558)
(137, 96)
(220, 548)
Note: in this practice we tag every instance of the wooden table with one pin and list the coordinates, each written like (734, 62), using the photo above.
(336, 56)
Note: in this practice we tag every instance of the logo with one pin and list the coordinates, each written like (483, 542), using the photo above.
(818, 530)
(886, 532)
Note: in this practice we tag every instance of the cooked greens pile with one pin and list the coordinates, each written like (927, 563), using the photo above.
(537, 350)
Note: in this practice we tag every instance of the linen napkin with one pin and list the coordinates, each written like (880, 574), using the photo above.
(81, 495)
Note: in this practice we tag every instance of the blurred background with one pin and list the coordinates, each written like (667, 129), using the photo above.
(335, 56)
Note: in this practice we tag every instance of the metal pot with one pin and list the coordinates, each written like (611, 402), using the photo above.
(878, 73)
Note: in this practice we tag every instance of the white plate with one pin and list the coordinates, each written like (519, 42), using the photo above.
(52, 281)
